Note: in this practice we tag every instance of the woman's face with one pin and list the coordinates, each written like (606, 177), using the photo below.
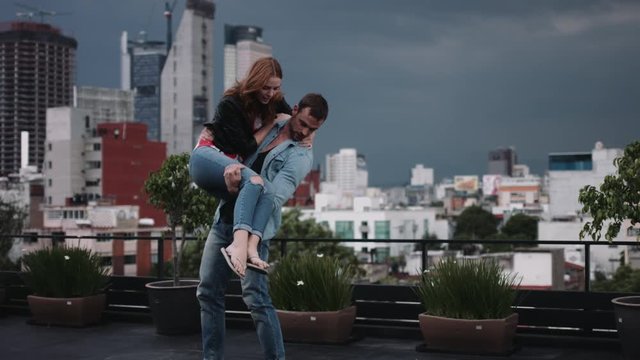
(269, 90)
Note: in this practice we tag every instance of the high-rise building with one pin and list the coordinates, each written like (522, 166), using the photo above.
(243, 45)
(187, 79)
(141, 70)
(501, 161)
(342, 169)
(37, 71)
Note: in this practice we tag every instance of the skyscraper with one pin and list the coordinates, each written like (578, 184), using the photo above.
(187, 78)
(37, 71)
(141, 70)
(243, 45)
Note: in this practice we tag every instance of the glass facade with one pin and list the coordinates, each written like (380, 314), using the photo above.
(145, 79)
(382, 229)
(344, 229)
(570, 162)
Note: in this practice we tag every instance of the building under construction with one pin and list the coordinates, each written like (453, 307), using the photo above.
(37, 71)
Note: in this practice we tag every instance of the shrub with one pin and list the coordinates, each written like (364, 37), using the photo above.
(467, 289)
(311, 282)
(64, 271)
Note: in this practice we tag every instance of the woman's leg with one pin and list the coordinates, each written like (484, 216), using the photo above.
(262, 214)
(207, 167)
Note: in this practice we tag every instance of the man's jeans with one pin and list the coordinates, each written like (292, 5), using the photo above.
(254, 203)
(214, 276)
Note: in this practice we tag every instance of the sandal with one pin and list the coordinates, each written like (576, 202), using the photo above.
(227, 258)
(254, 267)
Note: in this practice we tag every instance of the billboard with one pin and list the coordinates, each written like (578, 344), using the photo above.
(468, 183)
(490, 184)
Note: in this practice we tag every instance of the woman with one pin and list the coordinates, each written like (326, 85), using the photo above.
(242, 119)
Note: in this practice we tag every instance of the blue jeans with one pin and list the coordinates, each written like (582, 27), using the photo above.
(254, 203)
(214, 276)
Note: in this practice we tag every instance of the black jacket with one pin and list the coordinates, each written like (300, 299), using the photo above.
(232, 132)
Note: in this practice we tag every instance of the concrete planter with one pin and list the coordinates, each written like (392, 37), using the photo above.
(627, 310)
(489, 336)
(175, 309)
(324, 327)
(76, 312)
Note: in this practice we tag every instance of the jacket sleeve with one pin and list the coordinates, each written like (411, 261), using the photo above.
(293, 171)
(231, 131)
(282, 107)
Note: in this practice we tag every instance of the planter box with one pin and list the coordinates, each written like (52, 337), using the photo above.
(627, 310)
(489, 336)
(78, 312)
(175, 309)
(324, 327)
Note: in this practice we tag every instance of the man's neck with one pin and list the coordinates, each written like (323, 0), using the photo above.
(283, 135)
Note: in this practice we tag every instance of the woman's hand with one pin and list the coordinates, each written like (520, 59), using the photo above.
(308, 141)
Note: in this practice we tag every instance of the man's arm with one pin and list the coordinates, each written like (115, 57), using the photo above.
(293, 171)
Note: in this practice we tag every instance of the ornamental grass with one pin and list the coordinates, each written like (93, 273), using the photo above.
(467, 289)
(64, 272)
(311, 282)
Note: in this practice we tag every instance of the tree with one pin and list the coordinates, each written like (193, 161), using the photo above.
(185, 205)
(625, 279)
(12, 217)
(475, 223)
(521, 227)
(617, 199)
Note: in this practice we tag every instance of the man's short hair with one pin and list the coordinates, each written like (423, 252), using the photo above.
(317, 104)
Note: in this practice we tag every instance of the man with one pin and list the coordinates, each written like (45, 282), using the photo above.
(283, 162)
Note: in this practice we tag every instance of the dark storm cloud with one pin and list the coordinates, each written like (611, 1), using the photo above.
(433, 82)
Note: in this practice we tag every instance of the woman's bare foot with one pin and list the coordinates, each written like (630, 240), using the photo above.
(254, 259)
(236, 258)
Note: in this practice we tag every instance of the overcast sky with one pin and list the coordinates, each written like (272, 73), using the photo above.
(439, 83)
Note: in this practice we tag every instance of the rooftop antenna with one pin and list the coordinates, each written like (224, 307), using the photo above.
(168, 12)
(34, 11)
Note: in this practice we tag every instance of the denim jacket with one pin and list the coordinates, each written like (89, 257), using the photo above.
(284, 168)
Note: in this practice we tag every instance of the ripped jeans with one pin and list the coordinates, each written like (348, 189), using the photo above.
(254, 203)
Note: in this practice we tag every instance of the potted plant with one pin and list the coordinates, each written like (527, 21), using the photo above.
(618, 200)
(174, 306)
(68, 285)
(313, 295)
(468, 307)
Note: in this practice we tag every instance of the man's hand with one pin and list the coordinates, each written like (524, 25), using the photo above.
(232, 177)
(206, 134)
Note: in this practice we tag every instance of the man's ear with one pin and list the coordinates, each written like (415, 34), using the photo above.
(294, 110)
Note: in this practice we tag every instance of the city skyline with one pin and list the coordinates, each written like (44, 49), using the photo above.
(418, 82)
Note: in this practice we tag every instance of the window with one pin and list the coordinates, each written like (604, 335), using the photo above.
(50, 146)
(426, 226)
(344, 229)
(50, 182)
(631, 232)
(49, 165)
(97, 147)
(103, 237)
(129, 259)
(382, 229)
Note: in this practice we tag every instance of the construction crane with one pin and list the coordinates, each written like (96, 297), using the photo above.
(32, 11)
(168, 12)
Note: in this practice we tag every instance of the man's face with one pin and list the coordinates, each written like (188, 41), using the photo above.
(302, 124)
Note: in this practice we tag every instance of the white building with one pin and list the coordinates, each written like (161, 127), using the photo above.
(569, 172)
(63, 158)
(421, 175)
(243, 45)
(410, 223)
(187, 79)
(104, 104)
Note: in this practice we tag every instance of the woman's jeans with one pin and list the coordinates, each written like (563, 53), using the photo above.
(214, 276)
(254, 203)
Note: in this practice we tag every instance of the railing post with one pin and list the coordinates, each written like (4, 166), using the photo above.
(283, 247)
(587, 267)
(425, 255)
(160, 274)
